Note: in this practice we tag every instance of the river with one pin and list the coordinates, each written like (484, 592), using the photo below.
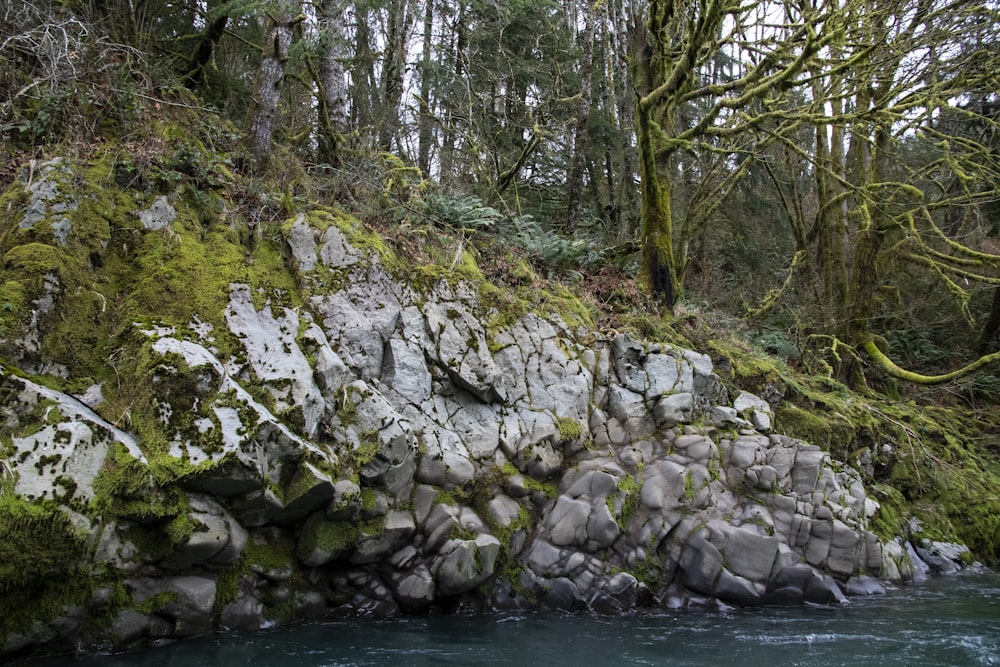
(945, 621)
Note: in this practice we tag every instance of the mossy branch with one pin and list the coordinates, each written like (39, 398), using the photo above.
(772, 296)
(873, 351)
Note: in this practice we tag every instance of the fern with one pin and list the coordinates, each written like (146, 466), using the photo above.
(466, 213)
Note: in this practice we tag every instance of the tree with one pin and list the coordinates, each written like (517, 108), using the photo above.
(331, 81)
(279, 27)
(676, 49)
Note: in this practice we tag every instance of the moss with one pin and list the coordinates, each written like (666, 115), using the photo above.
(569, 429)
(689, 491)
(713, 469)
(649, 327)
(369, 500)
(276, 553)
(829, 430)
(124, 489)
(889, 521)
(41, 563)
(367, 450)
(157, 602)
(13, 302)
(628, 486)
(34, 259)
(329, 536)
(347, 411)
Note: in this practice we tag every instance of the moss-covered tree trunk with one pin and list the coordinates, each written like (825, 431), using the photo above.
(659, 269)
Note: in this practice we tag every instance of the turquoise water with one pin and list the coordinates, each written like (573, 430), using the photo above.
(949, 621)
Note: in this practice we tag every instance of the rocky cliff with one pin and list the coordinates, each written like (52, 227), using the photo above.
(208, 423)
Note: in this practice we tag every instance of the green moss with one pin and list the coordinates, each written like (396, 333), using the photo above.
(347, 411)
(569, 429)
(329, 536)
(124, 489)
(689, 491)
(369, 500)
(155, 603)
(629, 487)
(34, 259)
(13, 302)
(367, 450)
(41, 563)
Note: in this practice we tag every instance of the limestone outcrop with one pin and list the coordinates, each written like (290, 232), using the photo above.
(384, 445)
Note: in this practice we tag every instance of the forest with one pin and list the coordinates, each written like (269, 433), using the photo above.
(826, 172)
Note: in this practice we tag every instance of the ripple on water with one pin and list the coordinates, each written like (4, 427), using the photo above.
(953, 621)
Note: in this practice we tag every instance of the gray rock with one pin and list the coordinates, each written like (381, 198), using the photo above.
(415, 590)
(602, 528)
(218, 539)
(130, 626)
(701, 564)
(805, 472)
(596, 482)
(725, 416)
(51, 192)
(464, 564)
(750, 555)
(567, 522)
(397, 531)
(336, 252)
(561, 594)
(737, 590)
(161, 214)
(755, 409)
(245, 614)
(459, 347)
(404, 369)
(667, 375)
(942, 557)
(674, 409)
(629, 358)
(190, 610)
(864, 585)
(537, 453)
(302, 242)
(310, 489)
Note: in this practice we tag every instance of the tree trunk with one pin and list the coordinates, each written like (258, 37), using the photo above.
(267, 90)
(332, 93)
(453, 110)
(425, 136)
(392, 72)
(991, 330)
(362, 74)
(657, 225)
(203, 53)
(574, 182)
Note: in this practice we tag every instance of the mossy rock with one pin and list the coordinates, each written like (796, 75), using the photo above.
(43, 561)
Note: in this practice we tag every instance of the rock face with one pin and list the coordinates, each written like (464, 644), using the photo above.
(379, 448)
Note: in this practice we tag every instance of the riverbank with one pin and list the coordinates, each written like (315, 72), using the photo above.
(944, 621)
(206, 431)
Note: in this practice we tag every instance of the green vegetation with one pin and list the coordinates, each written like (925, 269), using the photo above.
(40, 563)
(569, 429)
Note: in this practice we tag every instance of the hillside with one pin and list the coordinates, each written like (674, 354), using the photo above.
(230, 400)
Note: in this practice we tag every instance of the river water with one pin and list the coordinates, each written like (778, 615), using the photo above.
(946, 621)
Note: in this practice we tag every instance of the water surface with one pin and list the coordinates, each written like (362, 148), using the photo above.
(948, 621)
